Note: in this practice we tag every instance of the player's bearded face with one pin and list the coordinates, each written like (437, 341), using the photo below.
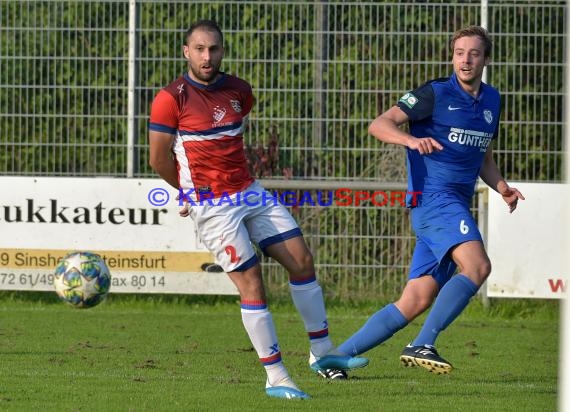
(204, 52)
(469, 59)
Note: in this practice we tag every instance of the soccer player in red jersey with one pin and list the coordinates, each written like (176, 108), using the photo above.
(196, 145)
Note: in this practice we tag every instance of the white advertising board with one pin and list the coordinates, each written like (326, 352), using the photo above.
(132, 223)
(528, 248)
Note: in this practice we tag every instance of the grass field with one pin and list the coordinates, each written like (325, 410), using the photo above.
(187, 354)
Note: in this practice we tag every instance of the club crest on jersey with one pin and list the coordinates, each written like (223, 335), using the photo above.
(219, 113)
(409, 100)
(488, 116)
(236, 106)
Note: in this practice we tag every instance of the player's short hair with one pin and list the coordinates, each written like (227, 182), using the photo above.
(209, 25)
(470, 31)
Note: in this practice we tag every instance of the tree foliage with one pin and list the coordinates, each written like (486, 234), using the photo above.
(321, 71)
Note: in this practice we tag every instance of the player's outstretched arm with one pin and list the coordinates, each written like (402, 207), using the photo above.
(386, 128)
(492, 177)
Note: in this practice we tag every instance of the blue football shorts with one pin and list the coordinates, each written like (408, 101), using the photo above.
(439, 225)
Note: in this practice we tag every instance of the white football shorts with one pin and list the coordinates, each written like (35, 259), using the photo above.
(228, 225)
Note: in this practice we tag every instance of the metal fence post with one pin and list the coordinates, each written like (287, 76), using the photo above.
(131, 125)
(482, 218)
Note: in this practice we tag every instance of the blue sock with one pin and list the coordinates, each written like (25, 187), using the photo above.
(378, 328)
(452, 299)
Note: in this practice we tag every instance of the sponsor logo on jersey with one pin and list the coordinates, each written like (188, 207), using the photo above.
(180, 88)
(409, 100)
(219, 113)
(473, 138)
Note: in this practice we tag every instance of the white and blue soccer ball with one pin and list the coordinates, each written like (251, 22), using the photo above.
(82, 279)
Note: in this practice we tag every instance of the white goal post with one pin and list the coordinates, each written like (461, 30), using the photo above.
(564, 371)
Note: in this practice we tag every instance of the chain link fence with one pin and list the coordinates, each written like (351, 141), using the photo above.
(77, 79)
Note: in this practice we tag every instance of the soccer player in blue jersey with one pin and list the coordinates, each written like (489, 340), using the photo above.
(452, 123)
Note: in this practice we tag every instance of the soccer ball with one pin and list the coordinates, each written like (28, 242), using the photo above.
(82, 279)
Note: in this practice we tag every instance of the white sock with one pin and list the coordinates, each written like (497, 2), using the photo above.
(309, 301)
(258, 323)
(277, 375)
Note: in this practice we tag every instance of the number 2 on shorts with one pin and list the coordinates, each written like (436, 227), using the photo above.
(230, 250)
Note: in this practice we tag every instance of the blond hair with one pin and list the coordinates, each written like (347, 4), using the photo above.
(471, 31)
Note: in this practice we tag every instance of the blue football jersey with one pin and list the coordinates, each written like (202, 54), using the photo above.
(464, 125)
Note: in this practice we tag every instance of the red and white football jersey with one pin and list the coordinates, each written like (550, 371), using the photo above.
(208, 122)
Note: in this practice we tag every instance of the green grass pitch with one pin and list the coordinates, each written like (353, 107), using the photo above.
(177, 354)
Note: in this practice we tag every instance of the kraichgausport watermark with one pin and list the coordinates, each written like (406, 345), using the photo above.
(342, 197)
(158, 196)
